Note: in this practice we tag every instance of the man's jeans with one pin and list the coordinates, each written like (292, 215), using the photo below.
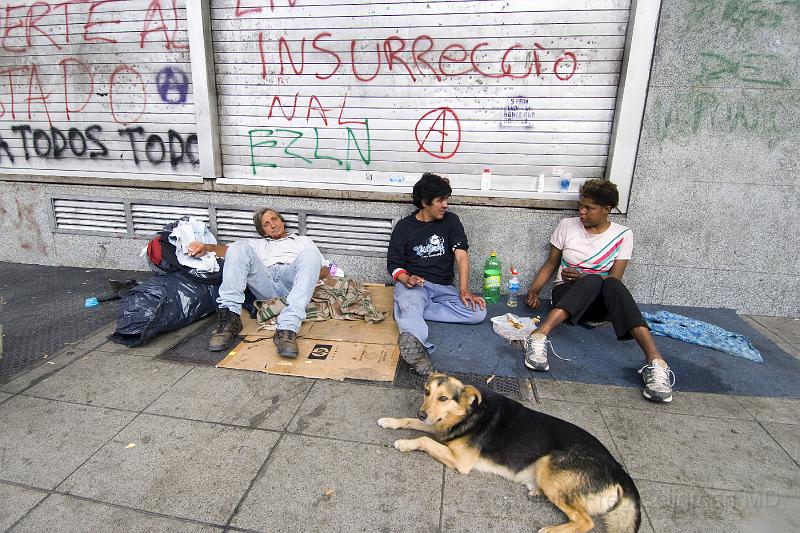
(296, 281)
(439, 303)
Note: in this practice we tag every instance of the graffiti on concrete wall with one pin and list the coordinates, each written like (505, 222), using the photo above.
(737, 91)
(704, 111)
(94, 83)
(741, 15)
(18, 223)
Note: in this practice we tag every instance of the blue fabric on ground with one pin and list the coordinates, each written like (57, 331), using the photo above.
(597, 357)
(683, 328)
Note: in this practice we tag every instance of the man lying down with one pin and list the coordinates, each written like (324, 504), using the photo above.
(276, 265)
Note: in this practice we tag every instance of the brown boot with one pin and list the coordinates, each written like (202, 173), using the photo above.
(228, 326)
(286, 341)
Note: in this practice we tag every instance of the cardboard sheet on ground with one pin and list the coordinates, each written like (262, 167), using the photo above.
(250, 328)
(332, 349)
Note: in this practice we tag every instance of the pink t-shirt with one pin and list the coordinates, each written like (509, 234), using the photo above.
(589, 253)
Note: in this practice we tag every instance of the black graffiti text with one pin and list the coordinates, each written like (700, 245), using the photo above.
(55, 143)
(156, 151)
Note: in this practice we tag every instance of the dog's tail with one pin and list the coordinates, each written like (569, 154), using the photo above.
(626, 515)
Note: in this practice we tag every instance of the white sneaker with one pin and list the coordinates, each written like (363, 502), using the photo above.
(658, 381)
(536, 352)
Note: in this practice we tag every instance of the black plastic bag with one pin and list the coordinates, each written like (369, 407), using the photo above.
(165, 302)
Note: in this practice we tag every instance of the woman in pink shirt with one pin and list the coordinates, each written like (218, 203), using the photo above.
(588, 254)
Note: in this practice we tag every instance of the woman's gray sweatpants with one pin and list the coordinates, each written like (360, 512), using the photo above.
(431, 301)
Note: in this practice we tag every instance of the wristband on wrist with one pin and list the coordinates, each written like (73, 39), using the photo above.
(397, 272)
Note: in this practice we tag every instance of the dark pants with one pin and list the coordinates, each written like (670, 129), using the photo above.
(595, 299)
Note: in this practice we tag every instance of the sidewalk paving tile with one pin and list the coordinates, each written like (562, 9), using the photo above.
(781, 410)
(236, 397)
(698, 510)
(645, 524)
(585, 416)
(157, 344)
(43, 441)
(4, 396)
(16, 501)
(786, 328)
(181, 468)
(349, 411)
(780, 333)
(759, 327)
(375, 489)
(788, 436)
(690, 403)
(699, 451)
(791, 349)
(57, 362)
(65, 513)
(485, 502)
(111, 380)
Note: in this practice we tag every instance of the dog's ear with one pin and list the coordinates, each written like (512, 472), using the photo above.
(468, 396)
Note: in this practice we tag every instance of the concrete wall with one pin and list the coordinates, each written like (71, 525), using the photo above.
(714, 197)
(715, 191)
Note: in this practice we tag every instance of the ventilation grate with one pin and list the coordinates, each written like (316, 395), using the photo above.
(89, 216)
(149, 219)
(349, 234)
(332, 233)
(233, 224)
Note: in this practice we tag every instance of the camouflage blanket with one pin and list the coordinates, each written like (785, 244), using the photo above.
(336, 298)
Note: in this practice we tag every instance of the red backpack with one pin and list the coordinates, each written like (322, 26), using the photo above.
(161, 253)
(154, 253)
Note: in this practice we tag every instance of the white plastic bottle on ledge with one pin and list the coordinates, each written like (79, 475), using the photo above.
(486, 179)
(513, 288)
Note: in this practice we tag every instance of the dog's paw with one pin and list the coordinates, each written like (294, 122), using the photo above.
(387, 423)
(550, 529)
(405, 445)
(535, 494)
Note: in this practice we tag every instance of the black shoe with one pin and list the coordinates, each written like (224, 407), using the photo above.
(228, 326)
(118, 289)
(286, 341)
(414, 353)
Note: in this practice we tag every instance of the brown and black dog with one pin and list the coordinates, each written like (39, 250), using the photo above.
(485, 431)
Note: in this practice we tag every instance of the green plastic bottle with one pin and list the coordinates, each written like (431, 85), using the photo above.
(491, 279)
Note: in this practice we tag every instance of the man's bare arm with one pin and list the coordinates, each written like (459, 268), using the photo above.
(198, 248)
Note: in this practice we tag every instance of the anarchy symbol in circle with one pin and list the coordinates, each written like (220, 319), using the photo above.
(446, 129)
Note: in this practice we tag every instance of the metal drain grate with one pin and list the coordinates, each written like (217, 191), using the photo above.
(194, 348)
(519, 388)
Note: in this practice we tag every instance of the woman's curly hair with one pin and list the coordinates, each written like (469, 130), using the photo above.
(601, 192)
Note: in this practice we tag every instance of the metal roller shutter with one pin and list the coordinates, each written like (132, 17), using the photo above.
(366, 96)
(98, 88)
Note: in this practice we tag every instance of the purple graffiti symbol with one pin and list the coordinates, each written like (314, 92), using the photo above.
(173, 85)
